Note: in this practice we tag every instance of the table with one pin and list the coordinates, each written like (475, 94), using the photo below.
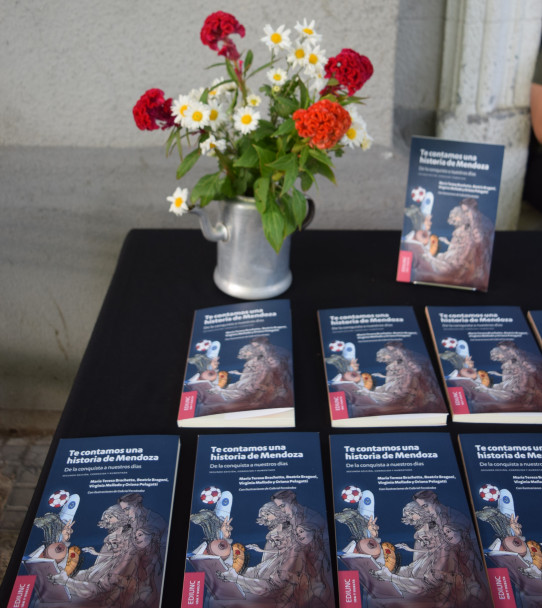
(130, 378)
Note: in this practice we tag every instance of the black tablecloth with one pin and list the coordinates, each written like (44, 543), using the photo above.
(130, 379)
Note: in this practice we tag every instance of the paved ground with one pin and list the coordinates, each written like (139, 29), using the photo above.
(21, 460)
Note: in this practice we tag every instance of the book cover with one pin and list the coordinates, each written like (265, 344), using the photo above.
(403, 528)
(258, 529)
(450, 211)
(535, 319)
(490, 363)
(378, 369)
(504, 473)
(101, 530)
(239, 369)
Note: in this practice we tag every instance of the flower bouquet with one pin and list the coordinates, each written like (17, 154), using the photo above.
(269, 142)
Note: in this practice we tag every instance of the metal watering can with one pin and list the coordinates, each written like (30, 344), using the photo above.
(247, 266)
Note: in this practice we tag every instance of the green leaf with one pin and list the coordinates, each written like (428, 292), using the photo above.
(307, 180)
(249, 158)
(287, 127)
(231, 72)
(298, 206)
(188, 162)
(265, 156)
(315, 166)
(207, 188)
(261, 193)
(320, 156)
(304, 95)
(273, 226)
(283, 163)
(263, 130)
(291, 174)
(303, 156)
(285, 107)
(248, 61)
(241, 182)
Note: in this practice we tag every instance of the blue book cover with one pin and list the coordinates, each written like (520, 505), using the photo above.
(504, 473)
(239, 370)
(451, 204)
(378, 369)
(404, 532)
(535, 319)
(258, 528)
(490, 362)
(101, 530)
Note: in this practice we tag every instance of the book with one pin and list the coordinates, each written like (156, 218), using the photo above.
(239, 368)
(535, 319)
(450, 211)
(378, 369)
(490, 363)
(101, 530)
(403, 528)
(258, 527)
(504, 473)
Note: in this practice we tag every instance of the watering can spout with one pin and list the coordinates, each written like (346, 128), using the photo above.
(218, 232)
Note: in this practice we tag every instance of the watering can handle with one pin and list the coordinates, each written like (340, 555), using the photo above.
(310, 214)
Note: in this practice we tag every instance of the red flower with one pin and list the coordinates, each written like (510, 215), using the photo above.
(152, 111)
(350, 69)
(217, 28)
(325, 123)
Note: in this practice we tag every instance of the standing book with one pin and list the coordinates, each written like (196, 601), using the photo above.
(258, 528)
(378, 369)
(403, 527)
(504, 474)
(239, 368)
(490, 363)
(101, 531)
(535, 319)
(450, 211)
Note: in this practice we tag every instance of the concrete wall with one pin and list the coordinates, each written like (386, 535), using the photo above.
(77, 175)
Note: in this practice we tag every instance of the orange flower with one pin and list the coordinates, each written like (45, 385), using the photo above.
(324, 123)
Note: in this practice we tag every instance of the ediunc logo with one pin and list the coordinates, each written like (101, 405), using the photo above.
(367, 500)
(225, 501)
(71, 505)
(506, 499)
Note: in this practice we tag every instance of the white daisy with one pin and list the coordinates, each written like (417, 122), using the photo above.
(276, 38)
(254, 100)
(246, 119)
(317, 82)
(306, 31)
(196, 94)
(367, 141)
(211, 144)
(217, 114)
(277, 76)
(196, 116)
(357, 136)
(179, 108)
(179, 201)
(219, 89)
(298, 56)
(316, 60)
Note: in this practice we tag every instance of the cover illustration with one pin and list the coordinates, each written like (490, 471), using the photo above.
(504, 474)
(378, 368)
(490, 362)
(403, 527)
(258, 529)
(101, 530)
(450, 211)
(240, 361)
